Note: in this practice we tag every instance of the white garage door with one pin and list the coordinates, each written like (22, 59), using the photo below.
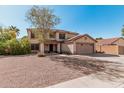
(84, 48)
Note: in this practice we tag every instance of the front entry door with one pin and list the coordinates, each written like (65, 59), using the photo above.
(51, 47)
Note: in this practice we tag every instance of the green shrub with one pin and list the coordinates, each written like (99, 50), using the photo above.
(2, 48)
(15, 47)
(5, 36)
(25, 46)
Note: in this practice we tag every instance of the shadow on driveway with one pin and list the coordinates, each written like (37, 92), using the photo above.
(108, 70)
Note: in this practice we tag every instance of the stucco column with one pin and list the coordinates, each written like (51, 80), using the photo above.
(58, 47)
(94, 48)
(66, 36)
(42, 48)
(57, 36)
(29, 35)
(74, 48)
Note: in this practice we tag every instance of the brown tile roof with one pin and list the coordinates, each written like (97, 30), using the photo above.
(108, 41)
(79, 36)
(64, 31)
(58, 30)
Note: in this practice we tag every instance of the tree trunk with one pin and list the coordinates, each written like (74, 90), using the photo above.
(42, 48)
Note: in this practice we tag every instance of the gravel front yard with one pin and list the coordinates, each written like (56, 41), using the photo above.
(32, 71)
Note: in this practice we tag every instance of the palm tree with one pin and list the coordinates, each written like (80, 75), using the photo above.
(14, 28)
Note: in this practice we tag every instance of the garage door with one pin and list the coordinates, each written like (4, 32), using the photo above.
(121, 50)
(84, 48)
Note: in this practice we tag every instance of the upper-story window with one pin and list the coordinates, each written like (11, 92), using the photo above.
(85, 38)
(52, 35)
(61, 36)
(32, 35)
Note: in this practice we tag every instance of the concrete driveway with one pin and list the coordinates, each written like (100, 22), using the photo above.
(100, 79)
(108, 57)
(91, 81)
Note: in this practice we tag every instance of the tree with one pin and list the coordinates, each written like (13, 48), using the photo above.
(15, 29)
(43, 19)
(24, 37)
(4, 34)
(7, 33)
(99, 38)
(122, 31)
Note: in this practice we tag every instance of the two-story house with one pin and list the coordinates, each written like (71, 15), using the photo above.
(61, 41)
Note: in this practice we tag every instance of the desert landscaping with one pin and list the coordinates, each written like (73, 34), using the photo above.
(32, 71)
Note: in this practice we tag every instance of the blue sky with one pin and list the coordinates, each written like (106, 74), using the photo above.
(97, 21)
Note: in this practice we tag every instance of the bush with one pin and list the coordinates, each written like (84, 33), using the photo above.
(5, 36)
(15, 47)
(25, 45)
(2, 48)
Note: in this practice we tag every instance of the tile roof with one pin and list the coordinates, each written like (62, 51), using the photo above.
(65, 31)
(107, 41)
(79, 36)
(57, 30)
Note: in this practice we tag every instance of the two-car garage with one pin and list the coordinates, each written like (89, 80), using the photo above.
(83, 44)
(84, 48)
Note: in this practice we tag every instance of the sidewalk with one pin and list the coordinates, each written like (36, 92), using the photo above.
(90, 81)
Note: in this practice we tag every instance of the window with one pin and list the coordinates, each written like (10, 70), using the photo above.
(32, 35)
(61, 36)
(52, 35)
(34, 46)
(85, 38)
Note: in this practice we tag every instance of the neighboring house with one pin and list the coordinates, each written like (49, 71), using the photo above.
(113, 46)
(61, 41)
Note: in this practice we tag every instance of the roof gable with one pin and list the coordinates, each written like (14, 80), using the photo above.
(108, 41)
(80, 36)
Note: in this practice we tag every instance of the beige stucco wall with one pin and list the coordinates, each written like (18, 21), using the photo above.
(98, 48)
(57, 36)
(34, 41)
(67, 48)
(83, 40)
(108, 49)
(58, 47)
(69, 35)
(112, 49)
(29, 34)
(120, 42)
